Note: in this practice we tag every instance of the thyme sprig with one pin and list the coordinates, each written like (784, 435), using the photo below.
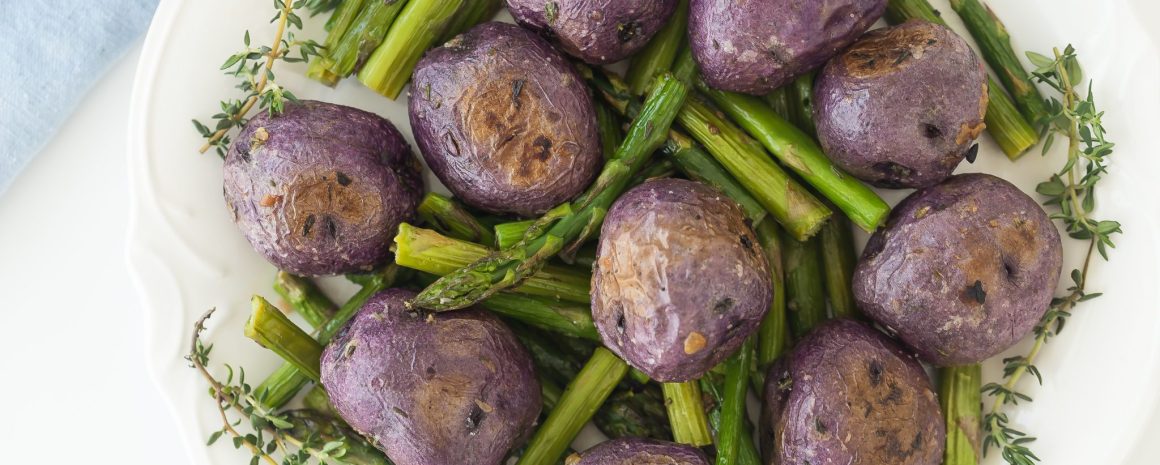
(254, 67)
(271, 434)
(1073, 191)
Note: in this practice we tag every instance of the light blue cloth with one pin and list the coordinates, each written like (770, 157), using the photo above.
(51, 54)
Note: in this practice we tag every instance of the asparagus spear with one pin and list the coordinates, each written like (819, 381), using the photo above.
(336, 27)
(305, 297)
(657, 57)
(450, 219)
(428, 251)
(712, 384)
(995, 45)
(837, 244)
(732, 431)
(361, 38)
(700, 166)
(281, 386)
(800, 153)
(551, 393)
(802, 107)
(627, 413)
(1011, 130)
(960, 395)
(271, 329)
(508, 234)
(568, 225)
(609, 126)
(472, 13)
(804, 289)
(791, 204)
(687, 414)
(418, 26)
(691, 159)
(584, 395)
(773, 332)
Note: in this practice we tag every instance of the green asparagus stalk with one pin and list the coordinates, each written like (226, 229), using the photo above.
(804, 284)
(576, 406)
(450, 219)
(798, 151)
(687, 414)
(281, 386)
(508, 234)
(791, 204)
(472, 13)
(960, 395)
(780, 100)
(691, 159)
(733, 415)
(318, 400)
(560, 317)
(657, 57)
(305, 297)
(270, 328)
(428, 251)
(838, 259)
(418, 26)
(362, 37)
(566, 226)
(802, 109)
(995, 46)
(1011, 130)
(336, 28)
(550, 392)
(771, 339)
(609, 125)
(712, 384)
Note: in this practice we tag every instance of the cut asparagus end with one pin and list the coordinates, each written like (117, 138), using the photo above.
(271, 329)
(687, 414)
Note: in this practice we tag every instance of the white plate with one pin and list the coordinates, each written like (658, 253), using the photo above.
(1101, 375)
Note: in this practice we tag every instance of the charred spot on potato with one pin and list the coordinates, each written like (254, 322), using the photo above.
(517, 88)
(542, 148)
(931, 131)
(723, 305)
(893, 395)
(892, 173)
(342, 178)
(975, 292)
(819, 426)
(885, 51)
(331, 227)
(628, 31)
(474, 418)
(875, 372)
(308, 224)
(972, 153)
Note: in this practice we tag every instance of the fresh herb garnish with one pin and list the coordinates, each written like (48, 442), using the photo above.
(254, 66)
(1072, 191)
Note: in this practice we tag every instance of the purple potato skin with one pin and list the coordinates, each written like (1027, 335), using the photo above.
(321, 188)
(902, 106)
(679, 280)
(637, 451)
(848, 395)
(504, 121)
(756, 46)
(440, 389)
(917, 275)
(598, 32)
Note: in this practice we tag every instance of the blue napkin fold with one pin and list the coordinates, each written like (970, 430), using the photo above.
(51, 54)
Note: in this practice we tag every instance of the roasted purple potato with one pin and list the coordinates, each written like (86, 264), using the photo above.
(848, 395)
(756, 46)
(679, 281)
(636, 451)
(504, 121)
(902, 106)
(432, 389)
(321, 188)
(596, 31)
(962, 270)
